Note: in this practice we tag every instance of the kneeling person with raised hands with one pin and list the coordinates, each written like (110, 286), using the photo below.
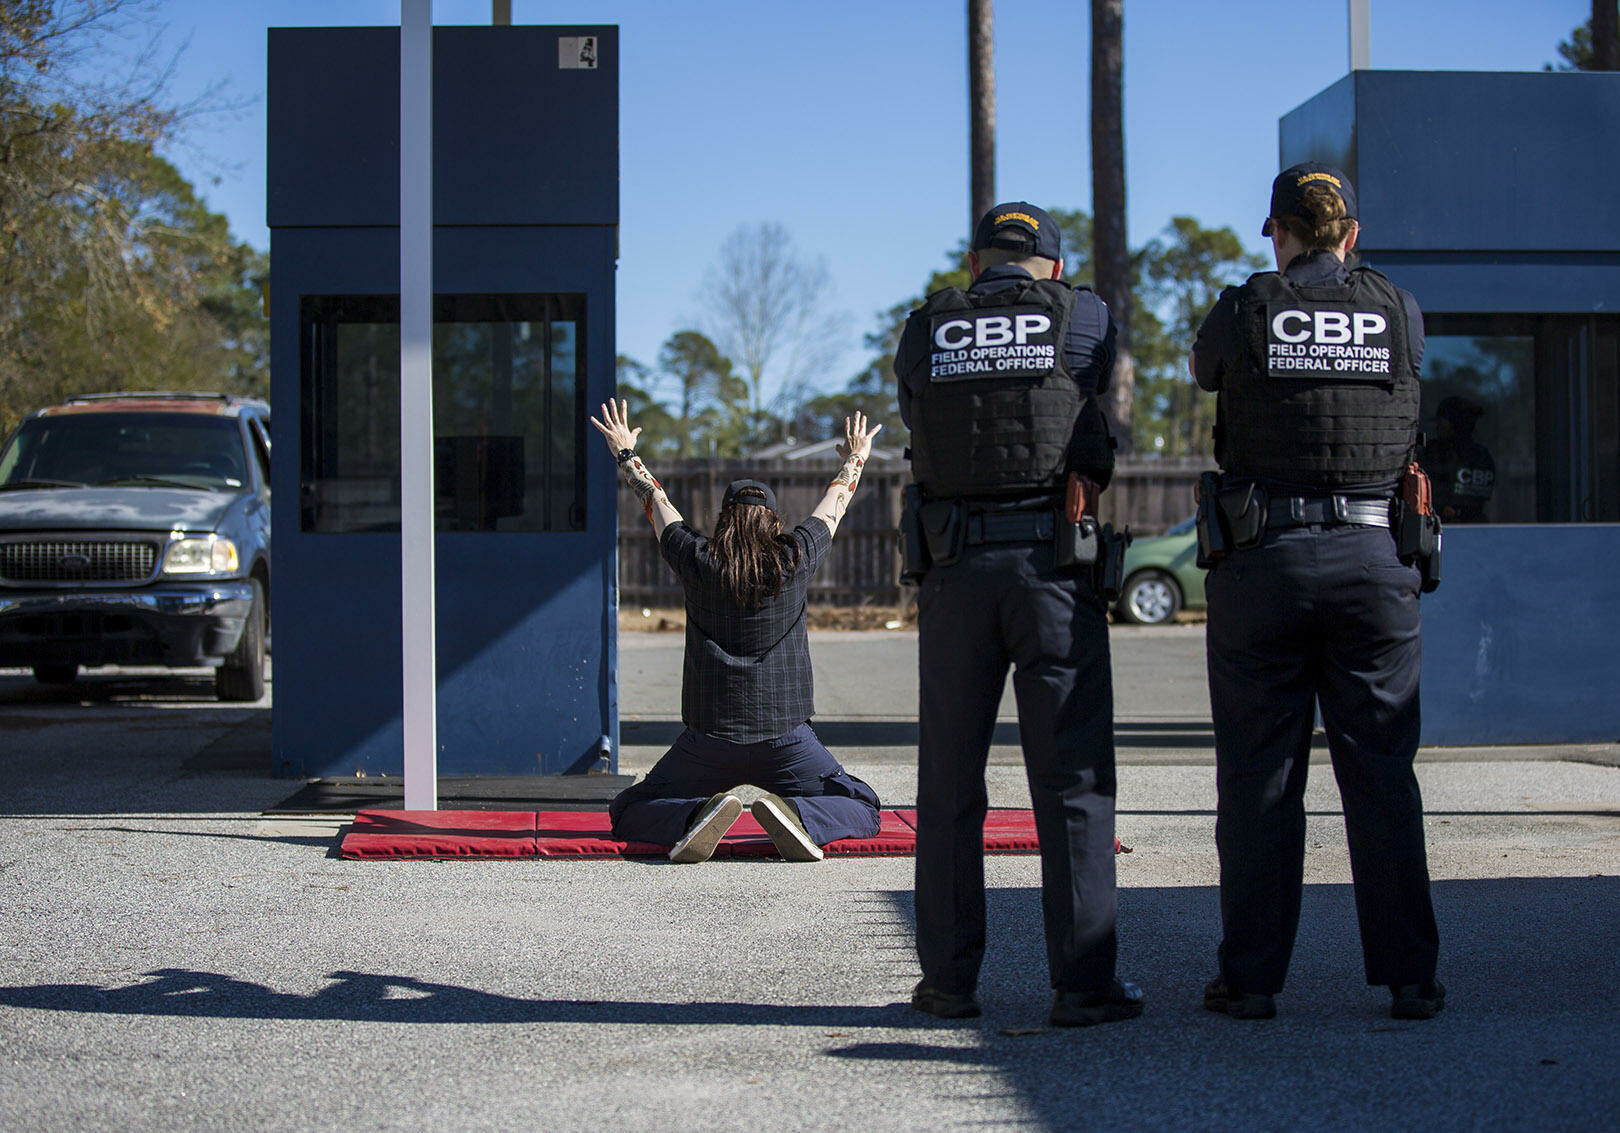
(746, 689)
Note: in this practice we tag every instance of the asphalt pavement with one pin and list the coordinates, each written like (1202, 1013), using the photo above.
(171, 959)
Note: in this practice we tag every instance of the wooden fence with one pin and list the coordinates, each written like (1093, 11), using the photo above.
(863, 566)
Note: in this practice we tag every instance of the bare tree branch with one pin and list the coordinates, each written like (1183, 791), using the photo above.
(766, 308)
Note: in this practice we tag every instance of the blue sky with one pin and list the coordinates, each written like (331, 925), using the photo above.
(852, 114)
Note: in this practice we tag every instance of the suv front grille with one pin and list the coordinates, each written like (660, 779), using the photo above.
(77, 561)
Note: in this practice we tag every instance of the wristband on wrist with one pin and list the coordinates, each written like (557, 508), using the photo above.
(641, 481)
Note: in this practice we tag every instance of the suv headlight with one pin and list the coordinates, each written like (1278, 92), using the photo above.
(200, 554)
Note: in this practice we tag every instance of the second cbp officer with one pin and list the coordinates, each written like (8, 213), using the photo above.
(1316, 367)
(1464, 472)
(998, 385)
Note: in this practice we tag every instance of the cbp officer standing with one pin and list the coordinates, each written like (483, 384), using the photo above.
(1464, 473)
(998, 385)
(1310, 603)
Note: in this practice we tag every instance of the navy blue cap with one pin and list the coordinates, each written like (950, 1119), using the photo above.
(734, 494)
(1287, 191)
(1019, 226)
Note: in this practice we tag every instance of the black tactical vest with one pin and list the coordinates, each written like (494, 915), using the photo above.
(1321, 389)
(999, 414)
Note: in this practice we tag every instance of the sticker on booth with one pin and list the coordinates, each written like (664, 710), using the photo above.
(576, 52)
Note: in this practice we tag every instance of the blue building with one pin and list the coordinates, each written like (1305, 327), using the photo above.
(1492, 198)
(526, 210)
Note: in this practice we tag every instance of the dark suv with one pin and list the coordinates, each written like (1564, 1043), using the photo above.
(135, 530)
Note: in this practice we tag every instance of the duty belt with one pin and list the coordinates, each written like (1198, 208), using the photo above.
(1298, 511)
(1010, 526)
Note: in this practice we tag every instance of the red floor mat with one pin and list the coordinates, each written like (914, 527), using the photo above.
(585, 834)
(441, 834)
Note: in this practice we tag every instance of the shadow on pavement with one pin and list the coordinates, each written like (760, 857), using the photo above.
(284, 832)
(362, 996)
(117, 686)
(1527, 1038)
(81, 755)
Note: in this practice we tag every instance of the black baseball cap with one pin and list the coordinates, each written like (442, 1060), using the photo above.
(1019, 226)
(734, 494)
(1287, 191)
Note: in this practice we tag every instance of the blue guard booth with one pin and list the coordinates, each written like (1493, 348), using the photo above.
(526, 209)
(1492, 198)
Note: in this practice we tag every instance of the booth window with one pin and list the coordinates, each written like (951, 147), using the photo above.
(508, 413)
(1542, 397)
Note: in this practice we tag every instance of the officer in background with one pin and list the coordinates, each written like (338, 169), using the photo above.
(1463, 471)
(1316, 368)
(998, 385)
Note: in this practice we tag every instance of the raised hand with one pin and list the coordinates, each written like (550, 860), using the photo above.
(857, 440)
(615, 426)
(854, 448)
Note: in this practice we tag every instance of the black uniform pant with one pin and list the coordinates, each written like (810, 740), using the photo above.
(1001, 605)
(1329, 616)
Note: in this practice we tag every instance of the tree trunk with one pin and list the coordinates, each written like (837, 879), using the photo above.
(1605, 35)
(1111, 254)
(981, 109)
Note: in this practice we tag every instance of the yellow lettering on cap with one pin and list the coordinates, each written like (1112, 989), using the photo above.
(1337, 184)
(1026, 218)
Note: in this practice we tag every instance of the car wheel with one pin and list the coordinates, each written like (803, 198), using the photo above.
(241, 677)
(1150, 598)
(56, 674)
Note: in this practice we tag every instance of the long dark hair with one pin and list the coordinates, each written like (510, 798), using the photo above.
(755, 559)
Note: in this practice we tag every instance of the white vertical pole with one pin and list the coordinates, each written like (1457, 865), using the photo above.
(1360, 35)
(420, 707)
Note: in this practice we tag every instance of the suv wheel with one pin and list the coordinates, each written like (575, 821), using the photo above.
(241, 677)
(56, 674)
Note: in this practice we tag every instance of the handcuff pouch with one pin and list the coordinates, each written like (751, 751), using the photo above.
(944, 530)
(1108, 573)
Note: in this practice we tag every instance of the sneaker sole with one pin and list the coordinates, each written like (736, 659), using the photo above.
(700, 841)
(791, 842)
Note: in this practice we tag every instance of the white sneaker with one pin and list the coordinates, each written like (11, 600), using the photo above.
(782, 823)
(709, 825)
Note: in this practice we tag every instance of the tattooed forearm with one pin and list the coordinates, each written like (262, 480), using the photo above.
(857, 446)
(839, 505)
(642, 482)
(850, 474)
(841, 491)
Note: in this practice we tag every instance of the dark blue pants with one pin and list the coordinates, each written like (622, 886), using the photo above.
(1003, 605)
(1329, 616)
(831, 802)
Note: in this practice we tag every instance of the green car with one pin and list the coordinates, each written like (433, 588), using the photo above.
(1162, 577)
